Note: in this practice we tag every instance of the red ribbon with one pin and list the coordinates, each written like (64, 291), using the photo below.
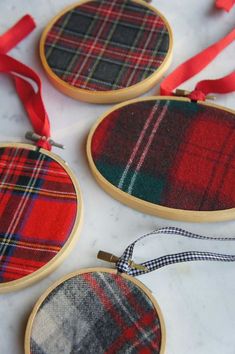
(16, 33)
(24, 77)
(196, 64)
(225, 4)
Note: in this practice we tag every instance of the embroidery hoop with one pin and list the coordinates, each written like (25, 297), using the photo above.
(136, 282)
(145, 206)
(111, 96)
(23, 27)
(141, 204)
(49, 267)
(128, 269)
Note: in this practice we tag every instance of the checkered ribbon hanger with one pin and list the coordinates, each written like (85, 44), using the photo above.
(193, 66)
(125, 263)
(25, 79)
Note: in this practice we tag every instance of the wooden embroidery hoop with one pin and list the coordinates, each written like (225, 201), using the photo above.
(69, 244)
(148, 207)
(111, 96)
(140, 285)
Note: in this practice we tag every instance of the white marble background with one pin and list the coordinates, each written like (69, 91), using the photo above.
(198, 299)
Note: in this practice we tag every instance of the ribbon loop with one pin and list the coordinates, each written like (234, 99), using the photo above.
(197, 95)
(24, 78)
(125, 263)
(16, 33)
(194, 65)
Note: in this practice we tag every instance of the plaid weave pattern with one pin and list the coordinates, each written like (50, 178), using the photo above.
(106, 45)
(96, 313)
(171, 153)
(38, 206)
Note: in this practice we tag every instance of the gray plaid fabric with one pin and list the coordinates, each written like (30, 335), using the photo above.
(96, 313)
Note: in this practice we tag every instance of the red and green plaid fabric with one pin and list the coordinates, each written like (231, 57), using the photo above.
(96, 313)
(172, 153)
(106, 45)
(38, 206)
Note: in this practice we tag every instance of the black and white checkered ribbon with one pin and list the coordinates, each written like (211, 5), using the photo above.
(125, 263)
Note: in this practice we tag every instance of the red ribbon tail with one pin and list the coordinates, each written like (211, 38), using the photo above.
(16, 33)
(225, 4)
(31, 98)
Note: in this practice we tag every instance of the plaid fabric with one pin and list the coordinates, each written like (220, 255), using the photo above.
(38, 206)
(106, 45)
(172, 153)
(96, 313)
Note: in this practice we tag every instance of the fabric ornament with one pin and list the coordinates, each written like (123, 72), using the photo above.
(105, 51)
(101, 310)
(171, 155)
(40, 200)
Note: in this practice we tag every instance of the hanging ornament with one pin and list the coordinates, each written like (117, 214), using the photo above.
(172, 155)
(40, 200)
(105, 51)
(101, 310)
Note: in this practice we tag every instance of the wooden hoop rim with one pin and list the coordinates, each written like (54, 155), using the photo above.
(148, 207)
(92, 270)
(69, 244)
(111, 96)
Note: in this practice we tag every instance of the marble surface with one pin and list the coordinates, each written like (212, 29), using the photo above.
(197, 300)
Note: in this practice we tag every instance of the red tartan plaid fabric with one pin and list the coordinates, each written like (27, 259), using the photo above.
(171, 153)
(96, 313)
(106, 45)
(38, 206)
